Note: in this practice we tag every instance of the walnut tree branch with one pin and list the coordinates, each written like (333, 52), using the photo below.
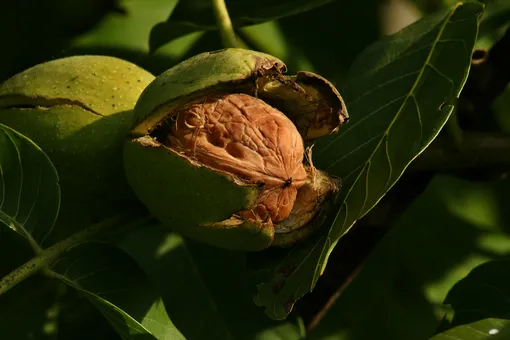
(47, 256)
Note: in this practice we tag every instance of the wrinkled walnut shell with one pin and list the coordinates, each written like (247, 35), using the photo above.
(217, 149)
(245, 137)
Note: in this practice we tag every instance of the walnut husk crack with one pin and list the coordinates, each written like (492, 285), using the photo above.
(247, 138)
(254, 142)
(217, 149)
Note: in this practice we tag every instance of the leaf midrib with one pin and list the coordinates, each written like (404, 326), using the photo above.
(397, 115)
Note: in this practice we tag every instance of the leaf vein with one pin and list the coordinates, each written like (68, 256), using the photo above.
(410, 93)
(366, 188)
(21, 176)
(418, 112)
(386, 83)
(435, 69)
(353, 171)
(443, 41)
(36, 196)
(363, 119)
(387, 152)
(3, 186)
(353, 150)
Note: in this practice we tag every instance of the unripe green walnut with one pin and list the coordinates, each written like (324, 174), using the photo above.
(217, 150)
(79, 110)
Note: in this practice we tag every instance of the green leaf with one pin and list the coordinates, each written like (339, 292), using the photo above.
(487, 329)
(194, 15)
(484, 293)
(305, 49)
(115, 284)
(28, 311)
(398, 95)
(42, 309)
(494, 23)
(212, 283)
(130, 30)
(449, 230)
(29, 190)
(126, 36)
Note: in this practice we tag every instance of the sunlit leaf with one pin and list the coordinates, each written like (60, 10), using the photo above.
(130, 29)
(126, 35)
(484, 293)
(212, 283)
(452, 228)
(28, 311)
(494, 23)
(487, 329)
(115, 284)
(398, 95)
(29, 190)
(194, 15)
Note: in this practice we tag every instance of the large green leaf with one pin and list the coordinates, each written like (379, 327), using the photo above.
(192, 15)
(305, 49)
(484, 293)
(126, 35)
(39, 308)
(495, 19)
(399, 96)
(115, 284)
(487, 329)
(29, 190)
(452, 228)
(212, 283)
(28, 311)
(42, 309)
(494, 23)
(29, 203)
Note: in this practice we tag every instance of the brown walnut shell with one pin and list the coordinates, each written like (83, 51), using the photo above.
(244, 136)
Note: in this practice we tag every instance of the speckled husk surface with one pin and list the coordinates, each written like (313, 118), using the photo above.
(79, 110)
(213, 158)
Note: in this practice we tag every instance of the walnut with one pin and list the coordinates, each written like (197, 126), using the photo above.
(216, 151)
(244, 136)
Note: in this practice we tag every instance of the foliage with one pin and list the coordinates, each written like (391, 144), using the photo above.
(438, 267)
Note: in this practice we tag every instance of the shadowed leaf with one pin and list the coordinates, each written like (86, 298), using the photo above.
(196, 15)
(114, 283)
(451, 228)
(212, 283)
(484, 293)
(487, 329)
(397, 95)
(29, 190)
